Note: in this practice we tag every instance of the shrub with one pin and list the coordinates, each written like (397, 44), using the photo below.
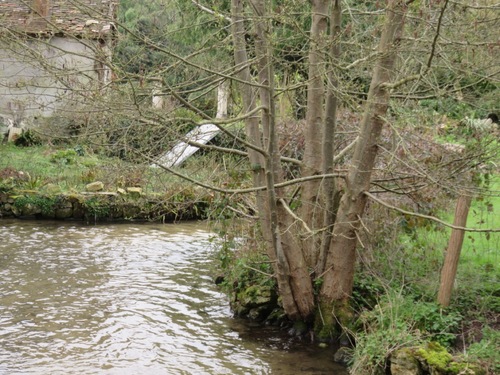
(43, 203)
(486, 351)
(28, 138)
(64, 157)
(397, 321)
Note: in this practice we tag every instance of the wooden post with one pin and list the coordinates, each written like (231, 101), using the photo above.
(158, 102)
(452, 256)
(222, 99)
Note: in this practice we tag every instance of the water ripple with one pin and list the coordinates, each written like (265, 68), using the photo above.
(119, 299)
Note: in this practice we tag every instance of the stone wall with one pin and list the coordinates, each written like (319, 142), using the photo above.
(97, 207)
(38, 78)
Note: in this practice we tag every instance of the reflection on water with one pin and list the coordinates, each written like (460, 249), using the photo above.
(127, 299)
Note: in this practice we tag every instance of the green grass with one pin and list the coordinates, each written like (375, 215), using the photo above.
(69, 168)
(480, 249)
(43, 168)
(406, 282)
(477, 282)
(483, 249)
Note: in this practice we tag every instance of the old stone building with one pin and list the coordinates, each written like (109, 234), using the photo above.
(53, 53)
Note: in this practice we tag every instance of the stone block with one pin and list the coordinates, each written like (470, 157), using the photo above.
(403, 362)
(94, 186)
(134, 192)
(14, 133)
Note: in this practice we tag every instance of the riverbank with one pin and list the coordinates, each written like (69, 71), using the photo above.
(124, 205)
(398, 326)
(43, 182)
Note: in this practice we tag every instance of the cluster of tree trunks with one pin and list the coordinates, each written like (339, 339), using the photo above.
(319, 242)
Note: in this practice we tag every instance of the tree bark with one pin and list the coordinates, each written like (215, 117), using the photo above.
(330, 194)
(311, 210)
(294, 283)
(449, 271)
(341, 259)
(252, 127)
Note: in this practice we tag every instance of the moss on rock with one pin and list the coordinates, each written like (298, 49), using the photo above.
(330, 319)
(255, 302)
(435, 355)
(430, 359)
(325, 326)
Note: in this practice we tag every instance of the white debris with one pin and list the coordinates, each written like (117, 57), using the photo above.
(182, 150)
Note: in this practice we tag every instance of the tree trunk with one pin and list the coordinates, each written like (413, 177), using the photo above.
(340, 263)
(452, 257)
(252, 129)
(311, 210)
(330, 194)
(294, 283)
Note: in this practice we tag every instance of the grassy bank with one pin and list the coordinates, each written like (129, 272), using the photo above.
(396, 288)
(42, 181)
(72, 168)
(396, 293)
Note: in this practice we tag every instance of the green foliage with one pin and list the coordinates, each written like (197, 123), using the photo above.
(44, 203)
(244, 271)
(96, 208)
(366, 291)
(28, 138)
(441, 325)
(242, 263)
(481, 249)
(5, 186)
(318, 282)
(452, 107)
(11, 178)
(396, 321)
(487, 350)
(478, 290)
(68, 156)
(413, 262)
(220, 211)
(373, 348)
(425, 319)
(383, 330)
(141, 19)
(170, 28)
(225, 253)
(33, 182)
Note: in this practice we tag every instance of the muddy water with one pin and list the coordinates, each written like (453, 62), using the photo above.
(128, 299)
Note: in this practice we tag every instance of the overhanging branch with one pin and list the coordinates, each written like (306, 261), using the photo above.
(428, 217)
(210, 11)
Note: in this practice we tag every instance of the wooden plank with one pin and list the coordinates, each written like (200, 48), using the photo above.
(182, 150)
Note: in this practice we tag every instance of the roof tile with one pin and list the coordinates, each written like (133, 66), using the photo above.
(62, 16)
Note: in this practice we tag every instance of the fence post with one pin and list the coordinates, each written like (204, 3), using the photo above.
(449, 271)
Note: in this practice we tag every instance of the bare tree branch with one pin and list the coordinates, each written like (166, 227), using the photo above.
(210, 11)
(428, 217)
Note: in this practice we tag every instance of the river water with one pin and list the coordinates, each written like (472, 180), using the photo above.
(128, 299)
